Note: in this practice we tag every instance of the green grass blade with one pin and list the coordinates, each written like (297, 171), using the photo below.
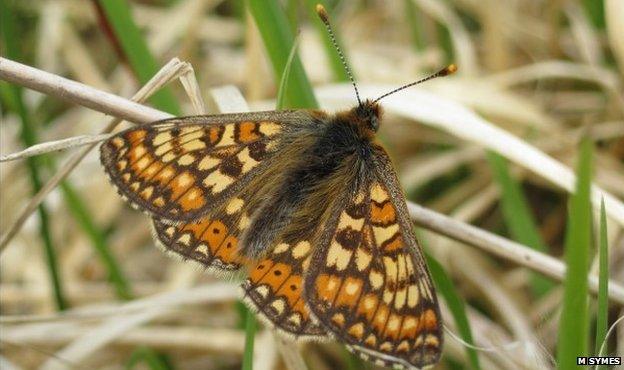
(13, 95)
(98, 240)
(595, 10)
(445, 287)
(603, 285)
(143, 63)
(414, 20)
(517, 215)
(335, 63)
(148, 356)
(574, 322)
(250, 335)
(283, 87)
(278, 40)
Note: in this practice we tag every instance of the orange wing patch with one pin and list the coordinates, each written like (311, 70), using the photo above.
(369, 288)
(212, 241)
(275, 290)
(177, 170)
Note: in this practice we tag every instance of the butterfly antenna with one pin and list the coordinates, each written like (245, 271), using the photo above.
(450, 69)
(322, 13)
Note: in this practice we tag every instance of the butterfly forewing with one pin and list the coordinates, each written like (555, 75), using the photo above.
(182, 168)
(367, 282)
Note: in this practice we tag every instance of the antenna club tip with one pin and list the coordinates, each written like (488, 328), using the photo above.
(322, 13)
(449, 70)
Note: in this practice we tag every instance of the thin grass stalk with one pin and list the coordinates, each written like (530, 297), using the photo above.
(149, 357)
(278, 40)
(74, 203)
(12, 94)
(414, 20)
(517, 214)
(574, 322)
(118, 16)
(456, 305)
(250, 333)
(602, 311)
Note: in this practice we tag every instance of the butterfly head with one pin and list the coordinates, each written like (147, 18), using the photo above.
(367, 115)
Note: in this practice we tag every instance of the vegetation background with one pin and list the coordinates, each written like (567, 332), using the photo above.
(82, 285)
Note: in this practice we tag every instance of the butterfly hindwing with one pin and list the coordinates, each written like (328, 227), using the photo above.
(367, 282)
(212, 241)
(274, 289)
(179, 169)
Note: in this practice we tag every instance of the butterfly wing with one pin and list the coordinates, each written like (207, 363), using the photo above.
(211, 241)
(274, 290)
(368, 283)
(179, 169)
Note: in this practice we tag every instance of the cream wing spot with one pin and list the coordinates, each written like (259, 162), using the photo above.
(207, 163)
(234, 206)
(228, 136)
(203, 249)
(121, 165)
(139, 151)
(376, 279)
(382, 234)
(413, 296)
(295, 319)
(279, 306)
(218, 181)
(301, 249)
(147, 192)
(362, 259)
(168, 157)
(281, 248)
(399, 299)
(185, 239)
(142, 163)
(347, 221)
(184, 180)
(409, 323)
(269, 128)
(352, 288)
(378, 194)
(161, 138)
(248, 162)
(391, 268)
(164, 148)
(191, 133)
(193, 145)
(263, 291)
(244, 222)
(186, 160)
(338, 256)
(118, 142)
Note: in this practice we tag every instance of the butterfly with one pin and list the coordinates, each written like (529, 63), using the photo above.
(308, 204)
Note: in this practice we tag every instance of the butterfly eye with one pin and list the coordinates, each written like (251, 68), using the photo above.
(374, 122)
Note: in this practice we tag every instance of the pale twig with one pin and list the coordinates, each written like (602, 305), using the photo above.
(52, 146)
(502, 247)
(290, 354)
(220, 340)
(77, 93)
(169, 72)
